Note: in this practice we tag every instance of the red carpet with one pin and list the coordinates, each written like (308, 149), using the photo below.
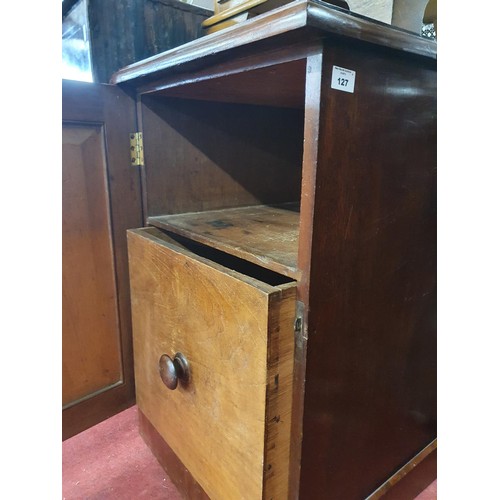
(430, 493)
(111, 462)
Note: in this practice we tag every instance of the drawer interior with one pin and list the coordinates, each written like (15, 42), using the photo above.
(263, 234)
(218, 257)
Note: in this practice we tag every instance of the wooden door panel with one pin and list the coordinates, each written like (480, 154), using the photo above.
(91, 341)
(100, 200)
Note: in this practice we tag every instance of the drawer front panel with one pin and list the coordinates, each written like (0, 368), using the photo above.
(229, 424)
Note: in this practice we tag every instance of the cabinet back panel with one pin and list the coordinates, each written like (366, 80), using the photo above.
(205, 155)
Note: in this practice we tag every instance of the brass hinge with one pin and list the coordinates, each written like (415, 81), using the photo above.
(136, 149)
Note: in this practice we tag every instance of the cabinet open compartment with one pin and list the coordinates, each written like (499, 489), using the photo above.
(224, 162)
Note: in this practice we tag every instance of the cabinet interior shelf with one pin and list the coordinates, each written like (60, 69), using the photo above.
(266, 235)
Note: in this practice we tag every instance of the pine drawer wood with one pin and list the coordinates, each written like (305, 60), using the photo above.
(230, 425)
(262, 234)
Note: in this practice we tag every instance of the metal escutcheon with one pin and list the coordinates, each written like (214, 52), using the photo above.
(173, 371)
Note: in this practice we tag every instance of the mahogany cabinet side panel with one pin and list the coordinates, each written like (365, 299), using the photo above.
(205, 155)
(416, 481)
(370, 390)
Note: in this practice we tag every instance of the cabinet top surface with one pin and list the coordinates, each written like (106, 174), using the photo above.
(309, 19)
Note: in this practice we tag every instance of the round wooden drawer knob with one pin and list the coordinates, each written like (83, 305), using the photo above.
(171, 371)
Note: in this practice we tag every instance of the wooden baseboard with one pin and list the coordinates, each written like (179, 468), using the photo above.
(92, 411)
(186, 484)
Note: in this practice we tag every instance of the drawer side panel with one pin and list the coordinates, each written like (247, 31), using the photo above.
(280, 356)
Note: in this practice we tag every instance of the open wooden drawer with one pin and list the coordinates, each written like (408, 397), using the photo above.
(234, 323)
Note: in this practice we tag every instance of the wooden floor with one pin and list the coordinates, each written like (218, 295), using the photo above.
(111, 462)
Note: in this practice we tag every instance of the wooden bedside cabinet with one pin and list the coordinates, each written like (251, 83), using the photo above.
(283, 284)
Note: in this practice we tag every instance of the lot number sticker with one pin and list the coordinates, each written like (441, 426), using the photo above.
(343, 79)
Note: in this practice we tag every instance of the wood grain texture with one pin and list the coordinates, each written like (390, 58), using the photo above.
(258, 86)
(262, 234)
(100, 406)
(299, 15)
(272, 62)
(206, 155)
(240, 354)
(207, 48)
(308, 190)
(125, 31)
(366, 242)
(370, 403)
(177, 472)
(280, 360)
(110, 110)
(91, 343)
